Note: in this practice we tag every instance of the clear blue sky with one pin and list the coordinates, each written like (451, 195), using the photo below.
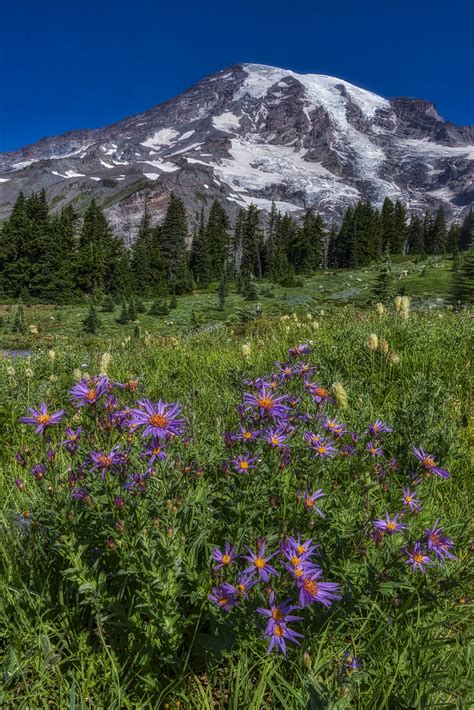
(83, 64)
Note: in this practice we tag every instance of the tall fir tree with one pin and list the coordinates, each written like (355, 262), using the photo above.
(462, 285)
(388, 226)
(466, 234)
(399, 241)
(415, 236)
(217, 235)
(172, 237)
(438, 233)
(250, 264)
(200, 258)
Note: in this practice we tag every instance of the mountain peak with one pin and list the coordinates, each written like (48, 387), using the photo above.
(255, 133)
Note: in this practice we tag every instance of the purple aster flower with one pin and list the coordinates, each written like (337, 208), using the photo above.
(245, 582)
(295, 546)
(347, 450)
(20, 459)
(389, 525)
(298, 350)
(278, 633)
(20, 484)
(137, 483)
(104, 462)
(410, 501)
(224, 596)
(439, 543)
(71, 442)
(161, 420)
(89, 391)
(246, 434)
(351, 663)
(373, 449)
(417, 559)
(429, 463)
(324, 450)
(304, 369)
(312, 590)
(312, 439)
(154, 450)
(320, 394)
(334, 427)
(276, 436)
(378, 428)
(266, 403)
(285, 370)
(119, 502)
(226, 558)
(38, 471)
(280, 612)
(244, 462)
(41, 418)
(79, 493)
(259, 563)
(310, 499)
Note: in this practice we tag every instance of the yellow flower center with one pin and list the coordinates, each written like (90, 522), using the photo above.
(295, 560)
(241, 588)
(226, 559)
(391, 525)
(310, 586)
(248, 435)
(159, 420)
(43, 418)
(222, 601)
(300, 549)
(418, 557)
(105, 460)
(277, 615)
(321, 392)
(265, 402)
(259, 562)
(309, 502)
(299, 572)
(429, 462)
(408, 499)
(156, 451)
(91, 395)
(244, 465)
(274, 440)
(278, 630)
(321, 449)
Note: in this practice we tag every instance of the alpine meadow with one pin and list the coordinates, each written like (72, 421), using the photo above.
(236, 426)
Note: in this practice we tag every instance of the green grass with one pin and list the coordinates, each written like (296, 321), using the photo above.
(60, 643)
(427, 283)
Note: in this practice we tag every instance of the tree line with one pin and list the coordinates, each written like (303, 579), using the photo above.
(57, 257)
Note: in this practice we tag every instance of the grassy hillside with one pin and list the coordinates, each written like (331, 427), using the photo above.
(106, 605)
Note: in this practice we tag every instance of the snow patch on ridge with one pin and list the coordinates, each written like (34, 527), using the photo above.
(165, 136)
(226, 122)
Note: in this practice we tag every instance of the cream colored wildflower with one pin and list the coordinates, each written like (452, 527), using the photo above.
(77, 374)
(398, 303)
(104, 363)
(29, 373)
(10, 371)
(380, 308)
(246, 350)
(393, 358)
(340, 395)
(373, 342)
(53, 378)
(383, 345)
(51, 356)
(33, 329)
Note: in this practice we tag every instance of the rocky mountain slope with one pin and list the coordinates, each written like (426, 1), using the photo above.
(254, 133)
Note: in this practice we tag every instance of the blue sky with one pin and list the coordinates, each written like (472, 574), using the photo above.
(70, 64)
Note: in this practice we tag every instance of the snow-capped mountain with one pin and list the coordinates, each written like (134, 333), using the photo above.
(254, 133)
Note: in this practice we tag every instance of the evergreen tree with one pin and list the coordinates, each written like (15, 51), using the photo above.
(236, 242)
(172, 242)
(427, 233)
(223, 288)
(132, 311)
(217, 238)
(173, 302)
(19, 324)
(399, 241)
(123, 316)
(453, 238)
(462, 287)
(200, 260)
(108, 305)
(438, 233)
(466, 234)
(388, 226)
(383, 288)
(146, 262)
(159, 308)
(91, 323)
(251, 244)
(416, 240)
(14, 259)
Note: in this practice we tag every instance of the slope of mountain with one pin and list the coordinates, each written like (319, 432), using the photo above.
(254, 133)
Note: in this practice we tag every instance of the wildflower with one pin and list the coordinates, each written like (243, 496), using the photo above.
(259, 563)
(266, 403)
(380, 308)
(161, 420)
(104, 462)
(298, 350)
(304, 369)
(312, 590)
(20, 484)
(79, 493)
(324, 450)
(104, 363)
(277, 633)
(320, 394)
(226, 558)
(137, 483)
(276, 436)
(297, 551)
(279, 612)
(312, 438)
(119, 502)
(429, 463)
(310, 499)
(244, 583)
(378, 427)
(373, 449)
(71, 442)
(41, 418)
(383, 346)
(410, 501)
(393, 358)
(390, 525)
(154, 451)
(51, 356)
(89, 391)
(246, 350)
(347, 451)
(38, 471)
(340, 395)
(334, 427)
(29, 373)
(224, 596)
(417, 559)
(439, 543)
(20, 459)
(285, 370)
(351, 663)
(243, 463)
(373, 342)
(246, 434)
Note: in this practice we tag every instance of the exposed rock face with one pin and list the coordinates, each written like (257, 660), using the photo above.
(253, 133)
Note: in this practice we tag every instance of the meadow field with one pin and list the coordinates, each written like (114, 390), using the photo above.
(155, 567)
